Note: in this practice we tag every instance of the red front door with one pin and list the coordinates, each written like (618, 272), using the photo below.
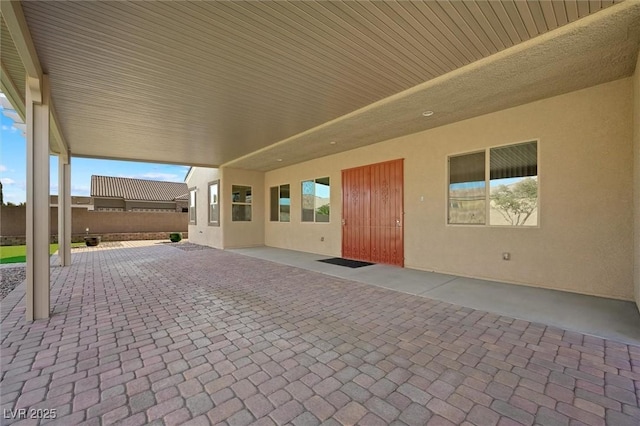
(372, 213)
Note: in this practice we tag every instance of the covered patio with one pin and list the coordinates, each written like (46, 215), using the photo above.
(258, 96)
(149, 333)
(277, 93)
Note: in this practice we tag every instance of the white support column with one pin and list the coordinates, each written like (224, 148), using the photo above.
(38, 274)
(64, 209)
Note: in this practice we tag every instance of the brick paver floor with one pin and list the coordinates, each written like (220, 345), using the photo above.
(157, 335)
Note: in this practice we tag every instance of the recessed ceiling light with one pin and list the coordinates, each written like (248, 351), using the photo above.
(279, 159)
(427, 113)
(333, 142)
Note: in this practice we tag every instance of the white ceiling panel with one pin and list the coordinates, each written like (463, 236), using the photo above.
(211, 83)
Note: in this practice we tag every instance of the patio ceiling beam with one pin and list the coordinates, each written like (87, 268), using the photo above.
(17, 25)
(63, 149)
(14, 18)
(11, 91)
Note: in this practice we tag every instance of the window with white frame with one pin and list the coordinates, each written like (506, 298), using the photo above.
(315, 200)
(192, 206)
(241, 203)
(280, 203)
(214, 203)
(497, 186)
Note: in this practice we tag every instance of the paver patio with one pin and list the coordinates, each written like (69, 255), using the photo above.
(151, 334)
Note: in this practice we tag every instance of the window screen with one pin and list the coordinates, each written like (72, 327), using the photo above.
(274, 209)
(467, 189)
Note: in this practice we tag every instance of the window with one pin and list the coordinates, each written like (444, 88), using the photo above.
(280, 203)
(315, 200)
(241, 203)
(192, 206)
(214, 203)
(512, 182)
(467, 194)
(513, 185)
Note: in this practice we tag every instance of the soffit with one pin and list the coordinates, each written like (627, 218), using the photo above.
(245, 83)
(10, 60)
(13, 81)
(592, 51)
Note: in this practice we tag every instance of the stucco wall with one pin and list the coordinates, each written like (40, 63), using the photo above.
(584, 243)
(322, 238)
(202, 232)
(636, 179)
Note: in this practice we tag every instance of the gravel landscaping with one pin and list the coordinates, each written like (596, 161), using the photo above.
(11, 278)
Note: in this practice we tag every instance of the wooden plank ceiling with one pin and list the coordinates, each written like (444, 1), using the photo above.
(211, 83)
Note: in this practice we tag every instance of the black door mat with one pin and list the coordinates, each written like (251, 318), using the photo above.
(346, 262)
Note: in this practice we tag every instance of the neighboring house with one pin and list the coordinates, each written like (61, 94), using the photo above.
(182, 202)
(110, 193)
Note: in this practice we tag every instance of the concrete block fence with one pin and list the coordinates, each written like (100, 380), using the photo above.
(111, 226)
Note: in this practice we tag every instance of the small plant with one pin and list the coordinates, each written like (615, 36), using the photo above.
(92, 241)
(175, 237)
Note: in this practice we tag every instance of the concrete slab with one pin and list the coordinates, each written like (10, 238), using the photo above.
(596, 316)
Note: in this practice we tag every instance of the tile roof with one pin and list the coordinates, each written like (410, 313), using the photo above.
(136, 189)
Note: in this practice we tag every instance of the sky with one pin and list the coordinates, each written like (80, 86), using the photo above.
(13, 168)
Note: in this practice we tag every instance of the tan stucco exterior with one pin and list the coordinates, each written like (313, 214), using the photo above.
(202, 232)
(636, 181)
(228, 234)
(584, 242)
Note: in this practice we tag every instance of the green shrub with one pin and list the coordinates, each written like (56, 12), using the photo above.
(92, 241)
(175, 237)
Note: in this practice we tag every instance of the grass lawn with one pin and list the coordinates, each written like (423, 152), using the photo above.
(17, 254)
